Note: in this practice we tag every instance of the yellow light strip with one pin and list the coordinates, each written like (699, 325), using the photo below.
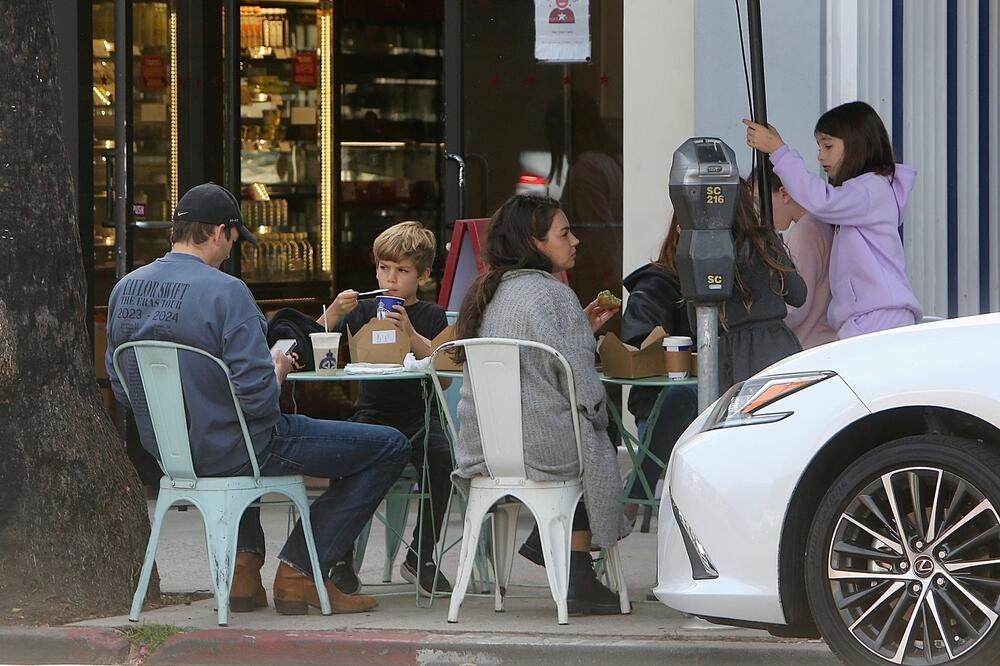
(174, 151)
(326, 157)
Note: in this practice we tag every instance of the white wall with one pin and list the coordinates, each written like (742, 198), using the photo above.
(659, 116)
(793, 64)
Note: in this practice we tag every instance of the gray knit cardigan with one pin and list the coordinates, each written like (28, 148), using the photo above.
(533, 305)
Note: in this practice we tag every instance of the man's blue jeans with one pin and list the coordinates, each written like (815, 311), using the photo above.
(362, 461)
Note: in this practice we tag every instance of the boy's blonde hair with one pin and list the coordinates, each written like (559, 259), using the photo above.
(406, 240)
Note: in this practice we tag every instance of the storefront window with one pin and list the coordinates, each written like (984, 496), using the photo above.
(154, 158)
(546, 128)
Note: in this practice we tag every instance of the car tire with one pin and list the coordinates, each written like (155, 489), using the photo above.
(930, 595)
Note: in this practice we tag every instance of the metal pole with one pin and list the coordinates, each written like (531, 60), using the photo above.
(122, 158)
(708, 354)
(231, 137)
(123, 133)
(759, 107)
(454, 198)
(460, 204)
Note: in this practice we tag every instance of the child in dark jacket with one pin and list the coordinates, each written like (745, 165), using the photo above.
(752, 330)
(752, 333)
(655, 300)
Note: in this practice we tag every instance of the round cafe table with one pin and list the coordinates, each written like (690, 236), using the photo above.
(638, 448)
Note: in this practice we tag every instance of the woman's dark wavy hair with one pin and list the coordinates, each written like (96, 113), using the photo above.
(668, 251)
(866, 143)
(509, 246)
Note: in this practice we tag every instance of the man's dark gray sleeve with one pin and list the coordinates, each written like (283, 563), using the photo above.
(245, 351)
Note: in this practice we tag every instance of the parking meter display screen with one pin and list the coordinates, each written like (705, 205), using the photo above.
(709, 153)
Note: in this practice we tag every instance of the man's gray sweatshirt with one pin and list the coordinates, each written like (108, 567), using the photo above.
(179, 298)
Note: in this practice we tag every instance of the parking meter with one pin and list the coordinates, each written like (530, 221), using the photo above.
(704, 186)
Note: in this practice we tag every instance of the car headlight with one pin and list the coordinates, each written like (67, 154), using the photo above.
(742, 403)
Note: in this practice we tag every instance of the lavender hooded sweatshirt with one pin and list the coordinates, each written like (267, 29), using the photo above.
(867, 266)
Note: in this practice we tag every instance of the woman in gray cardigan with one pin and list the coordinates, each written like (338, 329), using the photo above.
(528, 240)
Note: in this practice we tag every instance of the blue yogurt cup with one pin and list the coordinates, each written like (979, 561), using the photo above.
(385, 305)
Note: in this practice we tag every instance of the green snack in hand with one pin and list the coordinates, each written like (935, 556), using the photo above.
(608, 300)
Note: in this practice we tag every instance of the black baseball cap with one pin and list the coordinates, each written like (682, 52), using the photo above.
(209, 203)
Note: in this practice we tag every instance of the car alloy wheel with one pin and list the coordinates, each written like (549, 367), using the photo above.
(911, 562)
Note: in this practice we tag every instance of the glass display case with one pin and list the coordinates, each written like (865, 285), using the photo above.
(389, 128)
(281, 117)
(340, 133)
(154, 122)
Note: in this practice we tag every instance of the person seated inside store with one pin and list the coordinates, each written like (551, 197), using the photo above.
(404, 254)
(528, 240)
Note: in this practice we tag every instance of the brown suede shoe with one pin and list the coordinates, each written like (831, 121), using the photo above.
(294, 592)
(247, 592)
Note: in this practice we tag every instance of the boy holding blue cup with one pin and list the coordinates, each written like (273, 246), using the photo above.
(404, 254)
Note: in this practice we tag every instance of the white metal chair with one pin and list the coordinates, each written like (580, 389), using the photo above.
(494, 369)
(221, 500)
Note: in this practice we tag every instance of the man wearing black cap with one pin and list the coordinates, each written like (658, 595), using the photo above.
(182, 297)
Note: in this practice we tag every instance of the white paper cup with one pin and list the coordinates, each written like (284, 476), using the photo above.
(678, 351)
(325, 349)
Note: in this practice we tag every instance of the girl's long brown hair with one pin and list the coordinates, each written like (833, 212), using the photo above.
(509, 245)
(749, 235)
(668, 251)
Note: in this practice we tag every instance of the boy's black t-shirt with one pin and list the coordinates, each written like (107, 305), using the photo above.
(402, 399)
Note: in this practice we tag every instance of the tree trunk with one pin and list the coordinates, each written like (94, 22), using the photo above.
(73, 519)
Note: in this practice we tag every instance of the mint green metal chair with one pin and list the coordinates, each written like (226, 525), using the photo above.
(221, 500)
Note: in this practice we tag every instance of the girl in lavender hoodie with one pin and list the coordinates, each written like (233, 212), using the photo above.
(864, 202)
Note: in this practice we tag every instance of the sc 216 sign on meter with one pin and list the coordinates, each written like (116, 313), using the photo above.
(704, 186)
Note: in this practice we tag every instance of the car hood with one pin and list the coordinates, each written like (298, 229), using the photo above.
(953, 355)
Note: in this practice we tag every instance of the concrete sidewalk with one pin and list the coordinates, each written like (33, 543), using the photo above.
(183, 567)
(399, 631)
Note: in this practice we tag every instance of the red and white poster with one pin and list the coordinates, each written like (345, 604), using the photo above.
(152, 72)
(304, 69)
(562, 30)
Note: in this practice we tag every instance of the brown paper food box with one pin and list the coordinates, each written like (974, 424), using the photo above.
(694, 364)
(378, 341)
(621, 360)
(444, 361)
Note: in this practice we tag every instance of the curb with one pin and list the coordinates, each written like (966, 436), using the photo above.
(236, 647)
(232, 647)
(62, 645)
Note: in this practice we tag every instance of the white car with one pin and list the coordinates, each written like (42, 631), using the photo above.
(849, 491)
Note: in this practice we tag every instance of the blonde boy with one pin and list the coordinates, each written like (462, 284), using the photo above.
(404, 254)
